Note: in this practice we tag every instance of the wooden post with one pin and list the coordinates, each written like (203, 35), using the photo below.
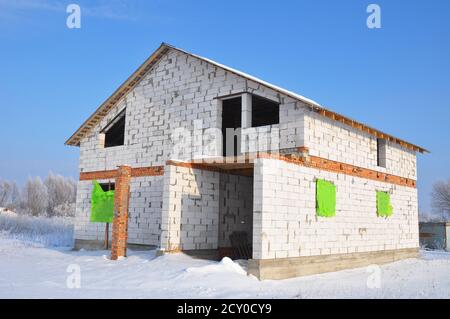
(107, 226)
(107, 236)
(120, 222)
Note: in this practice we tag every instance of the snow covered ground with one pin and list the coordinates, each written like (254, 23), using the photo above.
(30, 271)
(55, 231)
(33, 264)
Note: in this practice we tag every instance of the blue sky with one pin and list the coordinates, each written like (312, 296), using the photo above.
(396, 78)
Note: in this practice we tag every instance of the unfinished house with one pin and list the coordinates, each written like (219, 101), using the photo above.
(210, 161)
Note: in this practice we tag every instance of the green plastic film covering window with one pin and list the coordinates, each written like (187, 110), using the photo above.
(384, 207)
(325, 198)
(102, 205)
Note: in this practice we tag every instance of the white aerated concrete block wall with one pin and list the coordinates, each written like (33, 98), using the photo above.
(236, 207)
(144, 211)
(181, 90)
(289, 133)
(177, 92)
(145, 208)
(202, 208)
(286, 224)
(190, 209)
(336, 141)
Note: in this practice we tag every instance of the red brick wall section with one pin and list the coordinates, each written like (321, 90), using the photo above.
(343, 168)
(89, 176)
(194, 166)
(147, 171)
(135, 172)
(120, 222)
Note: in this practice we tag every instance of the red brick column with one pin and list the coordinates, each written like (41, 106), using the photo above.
(120, 222)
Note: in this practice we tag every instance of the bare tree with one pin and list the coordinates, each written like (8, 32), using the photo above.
(61, 193)
(441, 198)
(55, 196)
(36, 196)
(15, 199)
(5, 192)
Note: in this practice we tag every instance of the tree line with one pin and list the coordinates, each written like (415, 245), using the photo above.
(53, 196)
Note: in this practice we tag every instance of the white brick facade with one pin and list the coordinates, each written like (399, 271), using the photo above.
(144, 211)
(236, 207)
(190, 209)
(339, 142)
(195, 209)
(202, 208)
(285, 222)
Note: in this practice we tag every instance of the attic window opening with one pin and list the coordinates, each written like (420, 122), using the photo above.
(264, 111)
(115, 131)
(381, 152)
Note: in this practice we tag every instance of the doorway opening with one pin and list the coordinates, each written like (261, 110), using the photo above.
(231, 126)
(236, 215)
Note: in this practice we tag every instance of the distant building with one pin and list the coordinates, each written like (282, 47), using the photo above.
(435, 235)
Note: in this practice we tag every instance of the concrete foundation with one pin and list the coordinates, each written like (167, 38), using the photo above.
(283, 268)
(100, 245)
